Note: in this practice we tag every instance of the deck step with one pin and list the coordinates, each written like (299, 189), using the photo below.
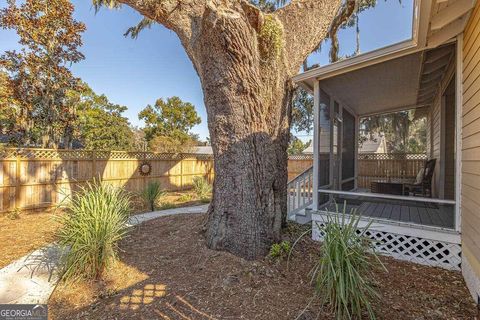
(303, 216)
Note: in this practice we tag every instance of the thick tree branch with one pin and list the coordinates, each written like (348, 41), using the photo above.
(342, 17)
(306, 23)
(177, 15)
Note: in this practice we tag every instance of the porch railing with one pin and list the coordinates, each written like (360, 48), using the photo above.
(300, 192)
(383, 166)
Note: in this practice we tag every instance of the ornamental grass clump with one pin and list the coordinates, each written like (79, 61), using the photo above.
(343, 274)
(151, 193)
(95, 221)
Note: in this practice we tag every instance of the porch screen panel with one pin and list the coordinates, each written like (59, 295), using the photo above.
(348, 151)
(324, 145)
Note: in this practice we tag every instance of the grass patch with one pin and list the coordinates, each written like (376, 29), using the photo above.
(167, 205)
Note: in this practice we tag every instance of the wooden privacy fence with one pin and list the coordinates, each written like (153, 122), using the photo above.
(297, 164)
(40, 178)
(378, 166)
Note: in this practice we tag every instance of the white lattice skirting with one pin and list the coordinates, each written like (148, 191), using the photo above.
(406, 245)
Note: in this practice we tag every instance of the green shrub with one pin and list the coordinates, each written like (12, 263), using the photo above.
(185, 197)
(280, 250)
(14, 215)
(151, 193)
(343, 273)
(95, 220)
(201, 188)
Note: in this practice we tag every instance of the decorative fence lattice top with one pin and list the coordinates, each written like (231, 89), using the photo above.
(80, 154)
(301, 157)
(47, 154)
(392, 156)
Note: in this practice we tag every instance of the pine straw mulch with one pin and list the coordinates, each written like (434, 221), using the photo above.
(168, 273)
(31, 230)
(22, 234)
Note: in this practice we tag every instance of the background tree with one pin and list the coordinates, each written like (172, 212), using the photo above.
(100, 124)
(8, 106)
(139, 141)
(302, 111)
(245, 59)
(50, 38)
(168, 124)
(296, 146)
(404, 131)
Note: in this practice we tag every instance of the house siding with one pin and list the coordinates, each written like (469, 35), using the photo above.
(470, 205)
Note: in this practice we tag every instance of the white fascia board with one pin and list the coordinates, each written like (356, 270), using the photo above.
(357, 62)
(421, 21)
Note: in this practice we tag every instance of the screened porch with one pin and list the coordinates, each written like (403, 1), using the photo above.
(403, 189)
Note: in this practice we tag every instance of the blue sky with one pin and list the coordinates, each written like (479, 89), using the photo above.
(135, 73)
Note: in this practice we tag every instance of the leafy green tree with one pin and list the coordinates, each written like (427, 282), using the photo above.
(8, 106)
(139, 141)
(302, 111)
(296, 146)
(168, 124)
(50, 38)
(168, 144)
(100, 124)
(404, 131)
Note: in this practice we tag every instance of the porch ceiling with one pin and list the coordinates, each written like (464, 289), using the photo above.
(383, 87)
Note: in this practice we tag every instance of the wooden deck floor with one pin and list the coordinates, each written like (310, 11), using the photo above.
(428, 214)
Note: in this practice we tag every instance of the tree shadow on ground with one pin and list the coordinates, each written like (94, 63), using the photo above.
(180, 278)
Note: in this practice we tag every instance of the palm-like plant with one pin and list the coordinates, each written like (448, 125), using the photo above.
(95, 220)
(151, 193)
(201, 187)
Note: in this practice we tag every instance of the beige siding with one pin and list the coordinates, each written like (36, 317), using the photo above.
(471, 144)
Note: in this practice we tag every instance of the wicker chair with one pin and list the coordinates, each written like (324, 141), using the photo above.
(423, 187)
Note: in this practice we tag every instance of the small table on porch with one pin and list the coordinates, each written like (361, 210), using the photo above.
(387, 187)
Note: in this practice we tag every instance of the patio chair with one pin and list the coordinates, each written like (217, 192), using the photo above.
(423, 184)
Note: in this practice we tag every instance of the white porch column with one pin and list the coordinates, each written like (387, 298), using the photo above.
(459, 125)
(316, 141)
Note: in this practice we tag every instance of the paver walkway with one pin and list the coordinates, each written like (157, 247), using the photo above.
(31, 279)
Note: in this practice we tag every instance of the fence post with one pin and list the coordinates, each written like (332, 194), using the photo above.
(151, 168)
(17, 182)
(94, 164)
(181, 174)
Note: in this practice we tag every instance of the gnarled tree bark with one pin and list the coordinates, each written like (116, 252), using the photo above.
(245, 59)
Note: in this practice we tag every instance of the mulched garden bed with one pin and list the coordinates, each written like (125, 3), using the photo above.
(168, 273)
(23, 233)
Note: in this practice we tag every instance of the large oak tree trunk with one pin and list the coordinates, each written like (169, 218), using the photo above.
(247, 95)
(245, 60)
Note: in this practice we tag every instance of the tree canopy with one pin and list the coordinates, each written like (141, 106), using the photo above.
(404, 131)
(168, 124)
(296, 146)
(38, 73)
(302, 111)
(100, 124)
